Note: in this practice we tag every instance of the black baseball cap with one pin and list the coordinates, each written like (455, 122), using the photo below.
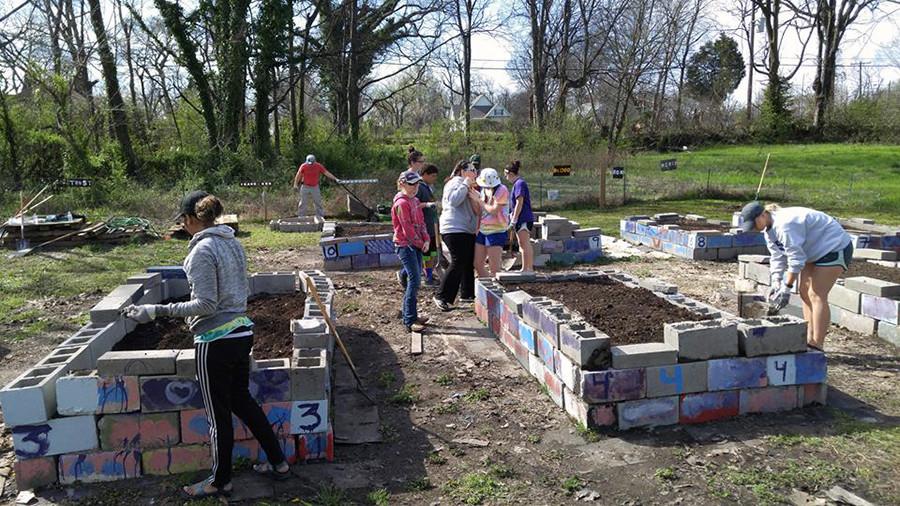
(189, 204)
(749, 214)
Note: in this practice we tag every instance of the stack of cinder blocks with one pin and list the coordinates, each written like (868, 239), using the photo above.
(559, 241)
(356, 253)
(297, 224)
(861, 304)
(706, 370)
(866, 234)
(662, 233)
(88, 414)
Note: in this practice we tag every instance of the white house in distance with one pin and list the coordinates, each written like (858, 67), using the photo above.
(482, 108)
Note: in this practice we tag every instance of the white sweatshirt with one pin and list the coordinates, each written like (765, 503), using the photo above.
(799, 235)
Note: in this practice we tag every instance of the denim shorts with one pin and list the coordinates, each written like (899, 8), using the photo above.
(841, 257)
(498, 239)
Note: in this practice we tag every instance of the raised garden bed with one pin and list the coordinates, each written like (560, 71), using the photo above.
(297, 224)
(358, 246)
(89, 413)
(691, 236)
(566, 330)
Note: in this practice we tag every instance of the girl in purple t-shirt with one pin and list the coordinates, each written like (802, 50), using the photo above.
(521, 218)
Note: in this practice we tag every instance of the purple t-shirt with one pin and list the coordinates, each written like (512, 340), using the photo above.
(520, 189)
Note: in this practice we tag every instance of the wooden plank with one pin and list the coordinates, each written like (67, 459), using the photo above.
(416, 343)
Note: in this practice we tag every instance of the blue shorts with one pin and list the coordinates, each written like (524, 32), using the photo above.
(841, 257)
(498, 239)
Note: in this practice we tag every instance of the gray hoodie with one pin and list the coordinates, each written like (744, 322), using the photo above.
(457, 216)
(216, 269)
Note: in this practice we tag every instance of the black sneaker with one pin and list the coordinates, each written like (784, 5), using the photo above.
(443, 306)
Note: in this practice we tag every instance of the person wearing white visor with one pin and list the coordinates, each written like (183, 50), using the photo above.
(808, 248)
(492, 234)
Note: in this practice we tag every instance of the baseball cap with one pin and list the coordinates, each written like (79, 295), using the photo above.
(409, 177)
(749, 214)
(475, 159)
(189, 204)
(310, 158)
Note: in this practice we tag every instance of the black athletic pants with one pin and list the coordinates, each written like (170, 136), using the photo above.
(223, 370)
(460, 276)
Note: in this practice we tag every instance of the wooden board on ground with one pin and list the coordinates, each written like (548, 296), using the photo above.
(416, 343)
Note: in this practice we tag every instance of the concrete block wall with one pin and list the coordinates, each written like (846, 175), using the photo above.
(704, 371)
(861, 304)
(662, 234)
(88, 414)
(297, 224)
(563, 242)
(364, 252)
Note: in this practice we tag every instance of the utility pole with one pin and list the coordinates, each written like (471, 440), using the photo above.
(750, 70)
(859, 88)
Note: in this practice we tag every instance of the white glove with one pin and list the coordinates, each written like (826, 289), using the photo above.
(776, 279)
(780, 298)
(141, 314)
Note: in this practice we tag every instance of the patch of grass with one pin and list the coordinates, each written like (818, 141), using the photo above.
(380, 497)
(388, 432)
(533, 438)
(589, 435)
(330, 495)
(572, 484)
(457, 452)
(665, 474)
(447, 409)
(436, 459)
(419, 484)
(478, 395)
(386, 379)
(475, 488)
(444, 380)
(769, 485)
(350, 307)
(406, 396)
(501, 471)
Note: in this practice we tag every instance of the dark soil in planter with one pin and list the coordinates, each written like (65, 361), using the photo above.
(352, 230)
(696, 225)
(271, 315)
(627, 315)
(863, 268)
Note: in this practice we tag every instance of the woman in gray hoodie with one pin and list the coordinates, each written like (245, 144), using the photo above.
(216, 269)
(461, 206)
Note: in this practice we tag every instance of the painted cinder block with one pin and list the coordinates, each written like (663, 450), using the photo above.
(310, 378)
(613, 385)
(812, 367)
(389, 260)
(380, 246)
(545, 349)
(771, 336)
(702, 340)
(576, 245)
(872, 286)
(139, 430)
(54, 437)
(35, 473)
(845, 298)
(319, 446)
(176, 460)
(99, 466)
(109, 308)
(736, 373)
(648, 412)
(589, 256)
(569, 373)
(881, 308)
(812, 393)
(768, 400)
(708, 406)
(271, 384)
(252, 451)
(519, 349)
(137, 363)
(365, 261)
(346, 249)
(528, 336)
(586, 346)
(31, 398)
(535, 367)
(338, 264)
(643, 355)
(591, 416)
(309, 416)
(84, 393)
(195, 423)
(676, 379)
(554, 386)
(169, 393)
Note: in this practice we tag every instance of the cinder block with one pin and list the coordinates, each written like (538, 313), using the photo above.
(880, 308)
(591, 416)
(309, 416)
(643, 355)
(31, 398)
(541, 260)
(708, 406)
(271, 384)
(886, 263)
(658, 285)
(176, 460)
(195, 424)
(545, 349)
(757, 272)
(338, 264)
(310, 379)
(773, 335)
(108, 309)
(858, 323)
(316, 446)
(519, 349)
(535, 367)
(137, 363)
(152, 295)
(169, 393)
(676, 379)
(812, 367)
(613, 385)
(252, 451)
(365, 261)
(554, 386)
(648, 412)
(174, 289)
(813, 393)
(845, 298)
(768, 400)
(389, 260)
(99, 466)
(588, 348)
(875, 254)
(889, 332)
(139, 430)
(273, 282)
(872, 286)
(515, 300)
(73, 358)
(702, 340)
(587, 232)
(736, 373)
(35, 473)
(169, 271)
(727, 253)
(54, 437)
(145, 279)
(186, 364)
(569, 373)
(84, 393)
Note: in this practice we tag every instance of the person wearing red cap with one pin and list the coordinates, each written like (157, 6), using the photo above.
(307, 181)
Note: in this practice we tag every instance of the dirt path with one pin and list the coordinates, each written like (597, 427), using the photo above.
(464, 423)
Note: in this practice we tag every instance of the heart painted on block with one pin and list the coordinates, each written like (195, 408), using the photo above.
(180, 392)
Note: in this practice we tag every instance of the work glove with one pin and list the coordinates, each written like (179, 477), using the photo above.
(141, 314)
(780, 298)
(776, 279)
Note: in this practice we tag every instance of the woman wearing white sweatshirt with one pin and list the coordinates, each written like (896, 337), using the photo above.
(803, 243)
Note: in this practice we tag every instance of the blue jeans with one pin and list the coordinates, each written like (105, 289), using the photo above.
(411, 258)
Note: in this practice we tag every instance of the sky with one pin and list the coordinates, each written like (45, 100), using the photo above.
(864, 42)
